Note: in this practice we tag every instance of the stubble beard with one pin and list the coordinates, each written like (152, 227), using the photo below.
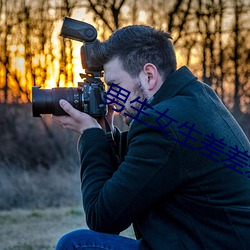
(138, 92)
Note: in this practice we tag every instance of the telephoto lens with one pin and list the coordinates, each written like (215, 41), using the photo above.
(46, 101)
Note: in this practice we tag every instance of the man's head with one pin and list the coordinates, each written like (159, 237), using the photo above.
(135, 46)
(138, 59)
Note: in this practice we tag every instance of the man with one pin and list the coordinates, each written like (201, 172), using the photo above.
(182, 176)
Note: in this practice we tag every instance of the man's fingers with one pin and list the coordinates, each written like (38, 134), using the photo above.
(68, 108)
(76, 120)
(61, 119)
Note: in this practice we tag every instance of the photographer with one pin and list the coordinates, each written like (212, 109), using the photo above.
(180, 174)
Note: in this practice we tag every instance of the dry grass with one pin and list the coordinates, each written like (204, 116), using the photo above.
(41, 188)
(39, 183)
(40, 229)
(39, 165)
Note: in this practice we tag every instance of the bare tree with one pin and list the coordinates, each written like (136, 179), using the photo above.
(66, 8)
(4, 56)
(103, 9)
(239, 53)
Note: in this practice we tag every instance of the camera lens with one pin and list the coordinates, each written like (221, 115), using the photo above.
(46, 101)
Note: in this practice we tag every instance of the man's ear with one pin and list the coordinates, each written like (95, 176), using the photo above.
(151, 74)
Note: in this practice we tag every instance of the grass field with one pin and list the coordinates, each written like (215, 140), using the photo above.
(40, 229)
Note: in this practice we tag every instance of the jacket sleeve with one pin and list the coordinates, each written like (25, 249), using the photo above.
(114, 198)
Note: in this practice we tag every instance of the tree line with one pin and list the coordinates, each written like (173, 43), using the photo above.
(210, 36)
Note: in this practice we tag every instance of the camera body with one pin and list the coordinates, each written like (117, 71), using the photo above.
(89, 96)
(91, 99)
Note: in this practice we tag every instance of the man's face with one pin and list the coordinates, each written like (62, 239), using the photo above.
(114, 73)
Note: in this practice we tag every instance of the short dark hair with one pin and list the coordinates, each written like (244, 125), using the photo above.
(135, 46)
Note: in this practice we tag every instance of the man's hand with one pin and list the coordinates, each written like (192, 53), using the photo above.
(79, 121)
(76, 121)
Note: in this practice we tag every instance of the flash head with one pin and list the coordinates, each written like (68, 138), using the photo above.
(87, 34)
(77, 30)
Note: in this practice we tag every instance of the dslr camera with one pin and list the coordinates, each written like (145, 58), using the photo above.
(89, 96)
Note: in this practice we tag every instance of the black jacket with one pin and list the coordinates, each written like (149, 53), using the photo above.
(183, 181)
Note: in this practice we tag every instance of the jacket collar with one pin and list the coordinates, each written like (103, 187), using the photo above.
(174, 83)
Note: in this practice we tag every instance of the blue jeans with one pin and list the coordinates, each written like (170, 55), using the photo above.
(89, 240)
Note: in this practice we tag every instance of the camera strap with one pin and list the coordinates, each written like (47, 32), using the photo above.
(109, 133)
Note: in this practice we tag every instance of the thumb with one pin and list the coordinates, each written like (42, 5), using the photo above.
(66, 106)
